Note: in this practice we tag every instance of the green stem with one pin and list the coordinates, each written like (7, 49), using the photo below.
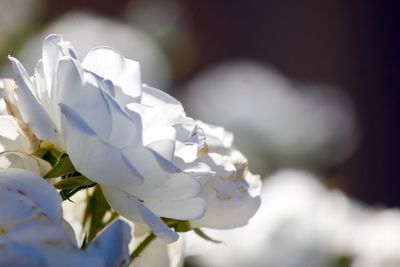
(142, 246)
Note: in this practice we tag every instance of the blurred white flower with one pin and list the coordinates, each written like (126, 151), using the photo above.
(375, 241)
(33, 233)
(276, 123)
(86, 31)
(301, 223)
(16, 16)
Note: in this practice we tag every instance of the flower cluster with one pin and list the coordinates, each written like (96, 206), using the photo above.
(94, 124)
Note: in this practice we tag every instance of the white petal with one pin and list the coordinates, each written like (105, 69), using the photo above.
(164, 148)
(188, 209)
(31, 111)
(54, 47)
(112, 244)
(24, 194)
(60, 256)
(94, 158)
(84, 97)
(126, 129)
(230, 203)
(19, 255)
(154, 123)
(131, 208)
(22, 160)
(42, 94)
(11, 137)
(83, 92)
(228, 214)
(159, 182)
(124, 73)
(167, 104)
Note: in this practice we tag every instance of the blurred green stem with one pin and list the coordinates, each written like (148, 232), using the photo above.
(136, 253)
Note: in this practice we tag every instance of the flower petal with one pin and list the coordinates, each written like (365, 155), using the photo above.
(131, 208)
(84, 97)
(124, 73)
(188, 209)
(112, 244)
(156, 98)
(159, 183)
(15, 254)
(94, 158)
(83, 92)
(54, 47)
(36, 196)
(32, 112)
(11, 137)
(22, 160)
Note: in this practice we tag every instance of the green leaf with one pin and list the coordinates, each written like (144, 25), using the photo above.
(73, 182)
(62, 168)
(205, 236)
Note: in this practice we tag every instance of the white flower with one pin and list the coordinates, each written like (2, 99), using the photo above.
(116, 131)
(149, 158)
(33, 233)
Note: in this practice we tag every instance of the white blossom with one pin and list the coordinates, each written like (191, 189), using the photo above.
(150, 159)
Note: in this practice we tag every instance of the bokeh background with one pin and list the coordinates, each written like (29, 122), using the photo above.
(310, 84)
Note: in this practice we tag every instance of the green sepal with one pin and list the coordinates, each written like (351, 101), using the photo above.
(73, 182)
(203, 235)
(67, 193)
(183, 226)
(63, 167)
(178, 225)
